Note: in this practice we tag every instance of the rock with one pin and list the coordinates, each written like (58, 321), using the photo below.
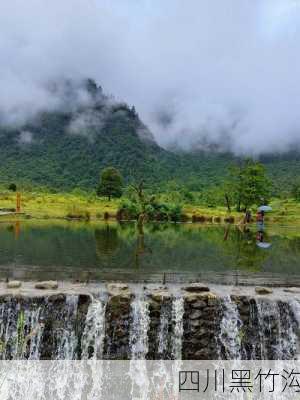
(117, 286)
(199, 304)
(195, 314)
(263, 290)
(192, 297)
(212, 299)
(57, 298)
(158, 295)
(195, 323)
(46, 285)
(118, 289)
(196, 288)
(14, 285)
(291, 290)
(201, 296)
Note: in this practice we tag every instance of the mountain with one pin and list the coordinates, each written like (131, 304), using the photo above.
(67, 147)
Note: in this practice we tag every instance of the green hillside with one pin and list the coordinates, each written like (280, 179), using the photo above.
(68, 148)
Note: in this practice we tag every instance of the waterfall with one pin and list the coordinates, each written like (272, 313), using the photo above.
(138, 344)
(21, 331)
(36, 328)
(8, 331)
(177, 320)
(62, 328)
(67, 336)
(94, 331)
(230, 328)
(138, 336)
(267, 313)
(163, 332)
(295, 308)
(276, 330)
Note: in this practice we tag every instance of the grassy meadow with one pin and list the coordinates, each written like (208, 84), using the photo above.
(88, 206)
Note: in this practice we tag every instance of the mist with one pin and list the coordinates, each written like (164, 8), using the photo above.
(201, 74)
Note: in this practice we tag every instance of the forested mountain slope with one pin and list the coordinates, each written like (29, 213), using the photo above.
(67, 148)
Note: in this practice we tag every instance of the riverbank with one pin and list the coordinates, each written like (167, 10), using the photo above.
(89, 206)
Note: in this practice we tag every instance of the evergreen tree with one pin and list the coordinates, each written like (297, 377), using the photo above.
(249, 184)
(111, 183)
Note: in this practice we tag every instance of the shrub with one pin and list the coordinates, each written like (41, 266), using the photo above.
(174, 212)
(229, 220)
(76, 213)
(155, 211)
(198, 218)
(128, 210)
(12, 187)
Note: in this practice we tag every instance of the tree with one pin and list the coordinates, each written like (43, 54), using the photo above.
(249, 184)
(296, 190)
(111, 183)
(12, 187)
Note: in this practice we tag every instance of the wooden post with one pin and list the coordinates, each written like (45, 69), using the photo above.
(17, 229)
(18, 207)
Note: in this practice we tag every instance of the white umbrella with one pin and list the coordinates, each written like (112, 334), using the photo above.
(264, 208)
(263, 245)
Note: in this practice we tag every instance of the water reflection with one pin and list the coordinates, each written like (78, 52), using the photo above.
(107, 240)
(75, 247)
(260, 237)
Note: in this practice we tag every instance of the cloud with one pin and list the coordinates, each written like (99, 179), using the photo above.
(25, 138)
(87, 124)
(201, 74)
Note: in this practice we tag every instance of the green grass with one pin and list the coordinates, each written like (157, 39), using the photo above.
(47, 205)
(79, 204)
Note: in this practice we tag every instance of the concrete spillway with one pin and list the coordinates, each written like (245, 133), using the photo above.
(115, 321)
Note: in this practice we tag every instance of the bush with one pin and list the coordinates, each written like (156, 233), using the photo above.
(76, 213)
(229, 220)
(174, 212)
(155, 211)
(128, 210)
(198, 218)
(12, 187)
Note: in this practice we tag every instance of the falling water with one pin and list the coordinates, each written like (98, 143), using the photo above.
(177, 319)
(67, 336)
(163, 332)
(94, 330)
(230, 328)
(138, 340)
(276, 330)
(42, 329)
(295, 308)
(8, 331)
(266, 315)
(138, 344)
(36, 328)
(21, 332)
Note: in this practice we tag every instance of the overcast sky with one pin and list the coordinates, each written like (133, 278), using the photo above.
(199, 72)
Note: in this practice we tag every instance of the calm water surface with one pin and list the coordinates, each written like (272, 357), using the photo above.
(87, 251)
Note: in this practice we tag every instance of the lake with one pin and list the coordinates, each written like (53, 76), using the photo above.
(87, 251)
